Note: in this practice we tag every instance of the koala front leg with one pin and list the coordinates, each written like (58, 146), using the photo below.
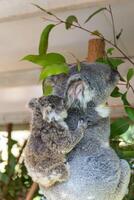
(74, 137)
(122, 188)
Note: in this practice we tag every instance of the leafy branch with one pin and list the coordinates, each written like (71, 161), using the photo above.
(70, 23)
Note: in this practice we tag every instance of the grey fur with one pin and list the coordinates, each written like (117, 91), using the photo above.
(96, 171)
(50, 141)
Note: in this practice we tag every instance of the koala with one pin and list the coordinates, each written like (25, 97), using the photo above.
(50, 141)
(96, 172)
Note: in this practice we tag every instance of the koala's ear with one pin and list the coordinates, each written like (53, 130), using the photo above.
(75, 89)
(32, 103)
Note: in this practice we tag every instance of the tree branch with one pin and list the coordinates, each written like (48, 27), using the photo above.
(113, 25)
(88, 31)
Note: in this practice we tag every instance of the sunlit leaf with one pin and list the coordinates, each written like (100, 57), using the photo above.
(70, 20)
(95, 13)
(116, 93)
(130, 74)
(54, 69)
(45, 60)
(43, 45)
(119, 127)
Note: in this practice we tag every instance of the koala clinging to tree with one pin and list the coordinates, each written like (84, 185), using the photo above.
(50, 141)
(96, 172)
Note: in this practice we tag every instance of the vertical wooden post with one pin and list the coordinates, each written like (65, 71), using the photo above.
(9, 128)
(96, 49)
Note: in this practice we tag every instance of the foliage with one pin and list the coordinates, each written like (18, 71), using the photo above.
(55, 63)
(51, 63)
(14, 181)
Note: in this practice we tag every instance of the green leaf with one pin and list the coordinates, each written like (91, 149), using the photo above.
(110, 51)
(54, 69)
(116, 93)
(95, 13)
(45, 60)
(43, 45)
(124, 99)
(130, 74)
(96, 32)
(119, 126)
(127, 154)
(4, 178)
(112, 62)
(70, 20)
(47, 89)
(129, 110)
(78, 66)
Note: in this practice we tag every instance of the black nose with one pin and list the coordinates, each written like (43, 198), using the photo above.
(115, 73)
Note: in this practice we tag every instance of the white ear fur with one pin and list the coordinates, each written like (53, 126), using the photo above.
(103, 110)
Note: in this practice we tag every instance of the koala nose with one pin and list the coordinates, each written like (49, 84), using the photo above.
(115, 74)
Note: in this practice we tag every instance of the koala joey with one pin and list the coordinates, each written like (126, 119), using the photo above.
(96, 172)
(50, 141)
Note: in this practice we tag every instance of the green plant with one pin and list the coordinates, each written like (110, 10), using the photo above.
(54, 63)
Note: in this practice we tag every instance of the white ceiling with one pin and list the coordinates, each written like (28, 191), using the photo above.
(20, 27)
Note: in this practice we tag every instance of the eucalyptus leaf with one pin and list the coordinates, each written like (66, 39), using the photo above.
(130, 74)
(70, 20)
(45, 60)
(95, 13)
(54, 69)
(129, 110)
(110, 51)
(112, 62)
(116, 93)
(43, 45)
(119, 126)
(96, 32)
(127, 154)
(124, 99)
(4, 178)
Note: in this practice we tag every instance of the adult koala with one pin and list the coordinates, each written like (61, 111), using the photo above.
(96, 172)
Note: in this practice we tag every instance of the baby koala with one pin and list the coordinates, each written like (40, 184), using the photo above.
(50, 141)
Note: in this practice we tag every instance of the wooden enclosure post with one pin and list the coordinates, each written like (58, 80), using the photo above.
(96, 49)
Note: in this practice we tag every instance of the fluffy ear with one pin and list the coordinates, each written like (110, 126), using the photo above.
(75, 89)
(78, 92)
(33, 103)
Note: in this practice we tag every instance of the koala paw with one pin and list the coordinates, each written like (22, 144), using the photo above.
(82, 124)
